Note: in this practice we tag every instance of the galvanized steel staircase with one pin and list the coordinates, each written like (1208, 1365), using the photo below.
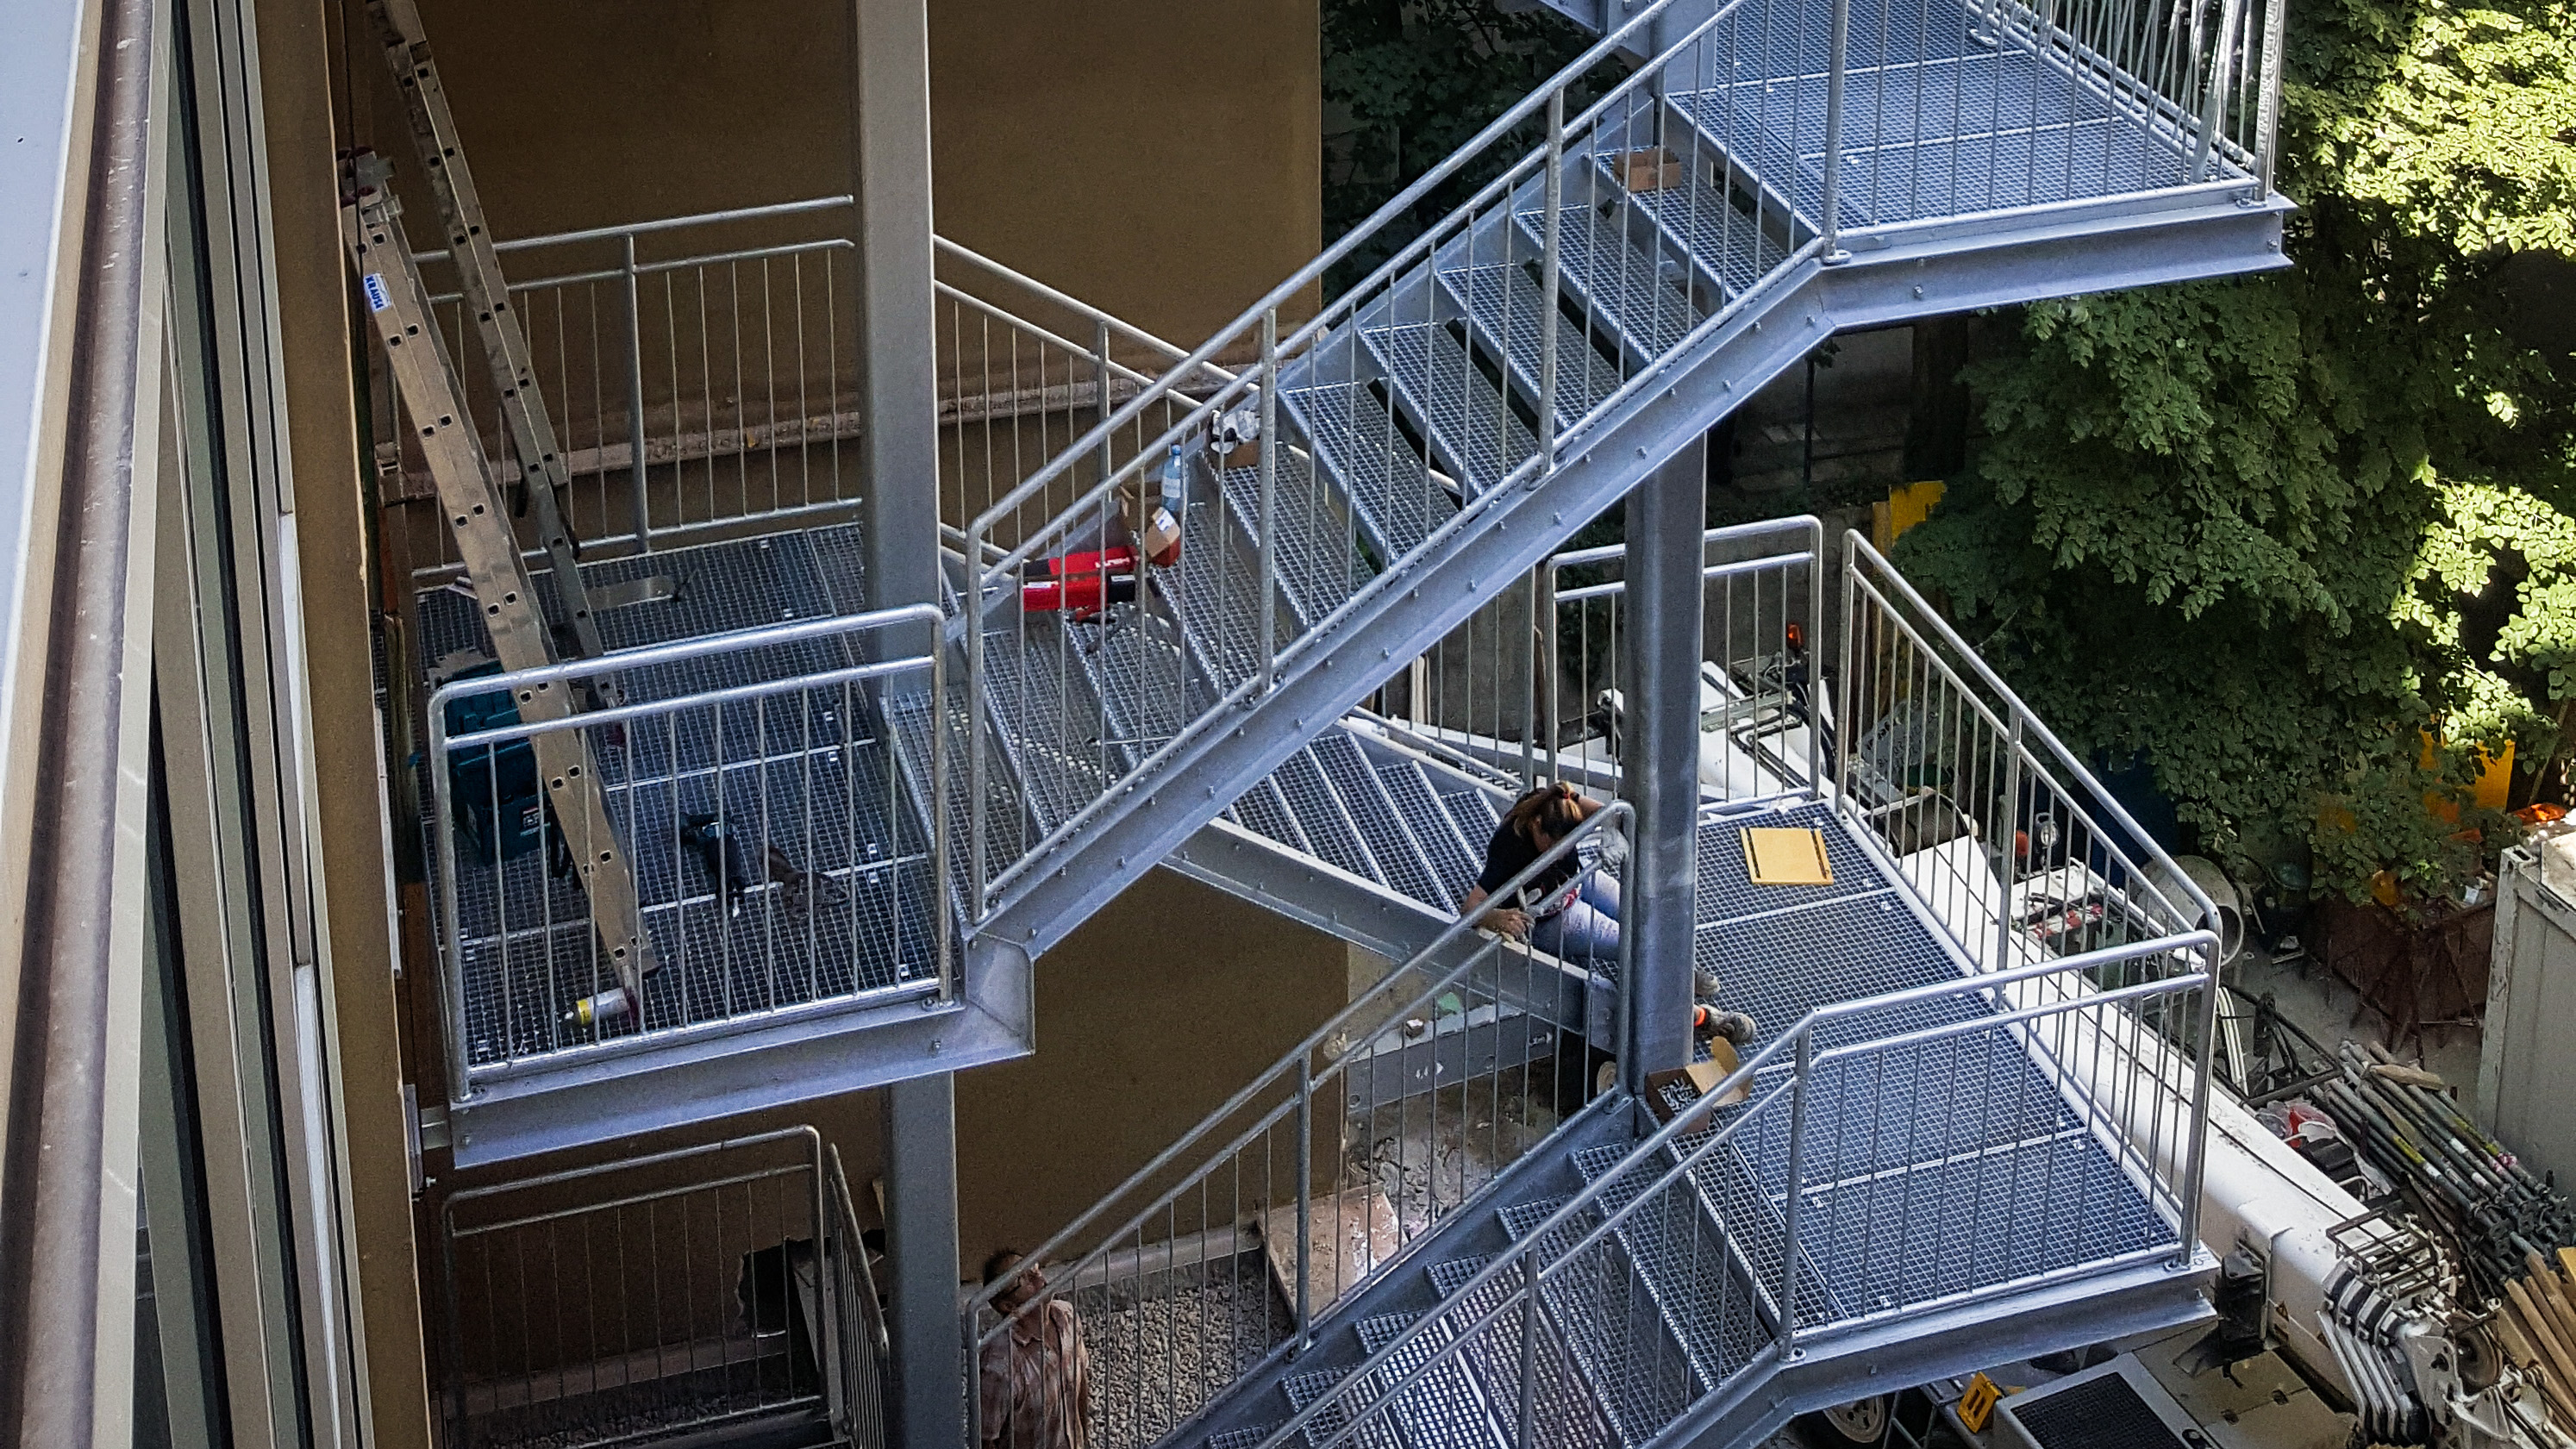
(1445, 424)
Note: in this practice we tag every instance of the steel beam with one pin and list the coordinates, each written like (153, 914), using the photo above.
(1838, 1368)
(1666, 516)
(890, 165)
(926, 1408)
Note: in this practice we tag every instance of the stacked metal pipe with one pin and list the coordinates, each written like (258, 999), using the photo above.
(2459, 1182)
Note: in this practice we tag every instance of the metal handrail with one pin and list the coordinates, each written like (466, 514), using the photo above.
(1798, 1042)
(1858, 551)
(522, 684)
(812, 1164)
(1292, 1063)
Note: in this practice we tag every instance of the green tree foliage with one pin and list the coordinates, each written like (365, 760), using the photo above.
(1406, 82)
(2266, 531)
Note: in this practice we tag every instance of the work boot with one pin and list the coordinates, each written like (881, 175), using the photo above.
(1734, 1026)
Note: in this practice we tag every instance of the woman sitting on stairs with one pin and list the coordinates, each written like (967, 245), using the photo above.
(1564, 911)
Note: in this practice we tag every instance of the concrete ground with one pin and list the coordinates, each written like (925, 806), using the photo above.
(2319, 1003)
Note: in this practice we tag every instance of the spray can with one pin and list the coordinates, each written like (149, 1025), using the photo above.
(600, 1010)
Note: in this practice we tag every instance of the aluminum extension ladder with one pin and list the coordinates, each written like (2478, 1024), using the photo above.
(468, 489)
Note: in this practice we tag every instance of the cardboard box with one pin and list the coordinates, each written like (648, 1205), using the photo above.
(1244, 455)
(1657, 169)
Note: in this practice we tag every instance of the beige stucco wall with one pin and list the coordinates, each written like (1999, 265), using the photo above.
(1158, 158)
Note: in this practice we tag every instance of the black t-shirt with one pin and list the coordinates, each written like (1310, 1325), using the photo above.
(1508, 854)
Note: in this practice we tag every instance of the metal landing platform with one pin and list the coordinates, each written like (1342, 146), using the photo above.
(808, 774)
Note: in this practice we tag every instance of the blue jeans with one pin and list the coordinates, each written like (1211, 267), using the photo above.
(1588, 928)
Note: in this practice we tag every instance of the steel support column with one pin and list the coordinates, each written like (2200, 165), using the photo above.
(890, 166)
(1666, 513)
(926, 1407)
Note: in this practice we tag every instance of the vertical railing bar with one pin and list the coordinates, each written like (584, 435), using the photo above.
(1789, 1215)
(1305, 1201)
(1551, 263)
(1268, 444)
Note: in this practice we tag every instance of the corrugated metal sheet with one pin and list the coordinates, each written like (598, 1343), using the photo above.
(2530, 1036)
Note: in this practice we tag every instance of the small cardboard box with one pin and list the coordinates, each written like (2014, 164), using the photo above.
(1246, 454)
(1654, 169)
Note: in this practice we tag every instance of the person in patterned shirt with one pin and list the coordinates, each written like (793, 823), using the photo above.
(1034, 1384)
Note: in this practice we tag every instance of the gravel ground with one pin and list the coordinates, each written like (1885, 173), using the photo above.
(1156, 1359)
(634, 1410)
(1430, 1153)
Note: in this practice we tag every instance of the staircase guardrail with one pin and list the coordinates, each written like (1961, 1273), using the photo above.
(2179, 72)
(1801, 1144)
(740, 782)
(865, 1347)
(1463, 1028)
(711, 390)
(1762, 604)
(655, 1294)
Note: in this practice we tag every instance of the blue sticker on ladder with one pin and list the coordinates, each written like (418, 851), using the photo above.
(378, 299)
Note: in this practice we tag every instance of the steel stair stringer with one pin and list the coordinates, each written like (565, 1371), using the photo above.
(1836, 1368)
(1925, 270)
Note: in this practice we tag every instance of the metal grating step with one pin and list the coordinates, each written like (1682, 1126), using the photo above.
(1217, 598)
(1390, 842)
(1688, 1263)
(1636, 1370)
(1262, 811)
(1040, 701)
(1730, 244)
(1562, 1412)
(1474, 433)
(1475, 814)
(1398, 501)
(1509, 314)
(1147, 688)
(1320, 814)
(1618, 285)
(1442, 1409)
(1454, 864)
(1318, 559)
(1334, 1418)
(1250, 1438)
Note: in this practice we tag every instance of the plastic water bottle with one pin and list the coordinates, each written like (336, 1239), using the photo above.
(1172, 483)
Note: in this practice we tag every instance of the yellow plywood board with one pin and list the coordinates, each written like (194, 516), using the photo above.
(1774, 855)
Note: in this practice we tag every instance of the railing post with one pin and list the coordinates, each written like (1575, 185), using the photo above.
(2008, 839)
(1835, 64)
(976, 826)
(1542, 679)
(945, 940)
(1305, 1192)
(1788, 1297)
(1816, 722)
(641, 502)
(1269, 455)
(1550, 263)
(1529, 1339)
(1100, 380)
(1550, 645)
(2267, 101)
(2214, 111)
(1846, 727)
(451, 956)
(2196, 1159)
